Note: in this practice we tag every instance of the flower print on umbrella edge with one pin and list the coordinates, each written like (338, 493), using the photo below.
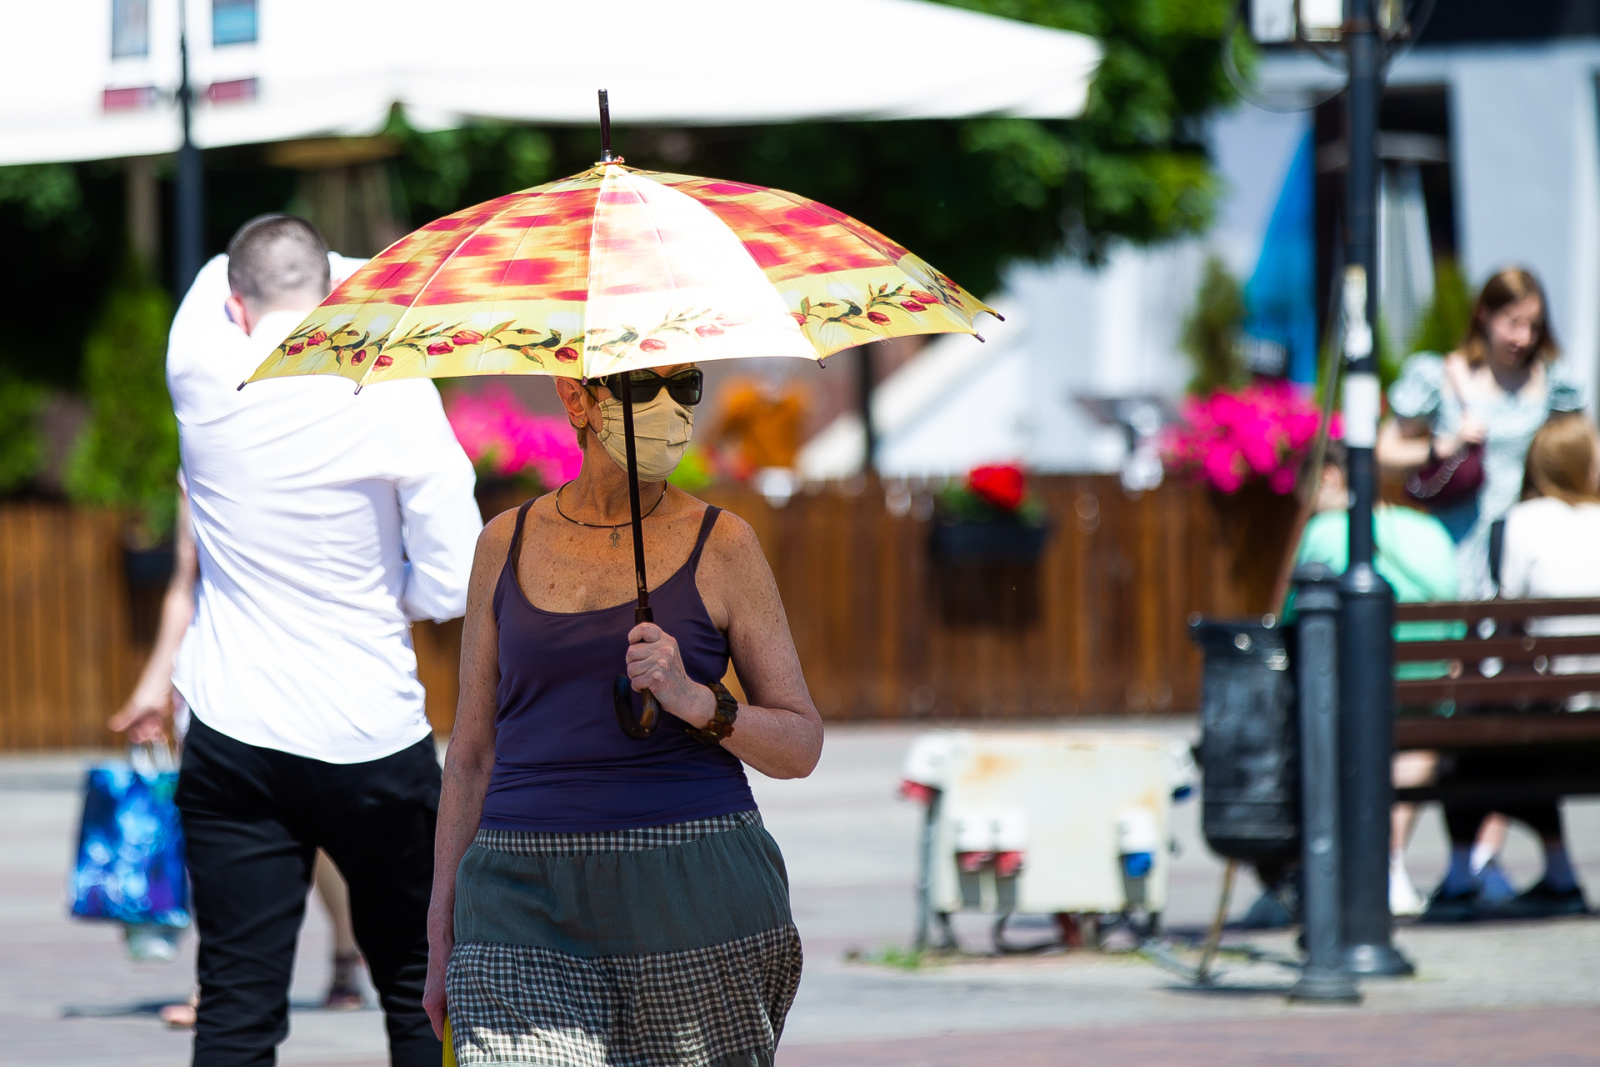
(913, 306)
(466, 337)
(652, 344)
(355, 360)
(297, 348)
(440, 348)
(318, 338)
(709, 329)
(567, 355)
(922, 296)
(383, 361)
(878, 317)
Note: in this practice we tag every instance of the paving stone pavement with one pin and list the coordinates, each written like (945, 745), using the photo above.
(1494, 993)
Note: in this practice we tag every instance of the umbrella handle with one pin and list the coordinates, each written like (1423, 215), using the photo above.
(649, 717)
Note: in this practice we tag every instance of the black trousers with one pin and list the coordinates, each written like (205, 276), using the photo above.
(253, 819)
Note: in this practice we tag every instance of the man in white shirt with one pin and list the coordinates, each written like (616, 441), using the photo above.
(323, 523)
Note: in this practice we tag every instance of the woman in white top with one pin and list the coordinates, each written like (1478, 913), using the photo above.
(1549, 551)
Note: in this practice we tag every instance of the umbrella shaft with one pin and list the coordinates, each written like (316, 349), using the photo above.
(633, 498)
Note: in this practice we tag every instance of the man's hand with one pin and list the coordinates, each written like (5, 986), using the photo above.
(144, 716)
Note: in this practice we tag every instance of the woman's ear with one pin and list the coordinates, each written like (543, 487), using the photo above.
(575, 400)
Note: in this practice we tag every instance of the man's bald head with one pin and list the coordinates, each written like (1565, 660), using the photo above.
(278, 262)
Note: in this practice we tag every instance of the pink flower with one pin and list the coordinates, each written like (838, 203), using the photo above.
(710, 329)
(355, 360)
(297, 348)
(383, 361)
(318, 338)
(652, 344)
(566, 355)
(466, 337)
(440, 348)
(799, 318)
(502, 437)
(912, 305)
(878, 317)
(1261, 432)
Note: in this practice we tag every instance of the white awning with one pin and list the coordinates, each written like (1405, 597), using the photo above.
(335, 67)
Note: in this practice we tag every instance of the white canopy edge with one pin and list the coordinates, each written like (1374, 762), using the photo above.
(336, 67)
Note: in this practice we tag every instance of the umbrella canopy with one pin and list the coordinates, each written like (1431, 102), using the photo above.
(89, 79)
(615, 270)
(619, 269)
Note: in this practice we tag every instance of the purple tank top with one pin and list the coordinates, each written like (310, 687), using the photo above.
(561, 762)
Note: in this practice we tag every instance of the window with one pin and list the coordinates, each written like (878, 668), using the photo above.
(130, 28)
(233, 22)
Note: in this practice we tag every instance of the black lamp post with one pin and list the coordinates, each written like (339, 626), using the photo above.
(190, 245)
(1366, 615)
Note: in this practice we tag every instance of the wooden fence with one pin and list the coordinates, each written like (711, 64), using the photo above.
(884, 630)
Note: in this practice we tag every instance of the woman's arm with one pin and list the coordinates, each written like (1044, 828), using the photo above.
(1403, 444)
(779, 732)
(144, 715)
(470, 758)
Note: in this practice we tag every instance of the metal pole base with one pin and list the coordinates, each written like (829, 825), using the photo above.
(1326, 986)
(1377, 961)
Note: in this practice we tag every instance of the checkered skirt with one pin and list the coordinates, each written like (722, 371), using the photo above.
(721, 1005)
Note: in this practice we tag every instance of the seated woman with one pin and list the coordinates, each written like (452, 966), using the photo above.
(600, 899)
(1549, 551)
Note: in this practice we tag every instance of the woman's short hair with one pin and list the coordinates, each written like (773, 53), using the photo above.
(1562, 460)
(1507, 287)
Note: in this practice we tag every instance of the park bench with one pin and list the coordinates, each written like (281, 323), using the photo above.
(1498, 716)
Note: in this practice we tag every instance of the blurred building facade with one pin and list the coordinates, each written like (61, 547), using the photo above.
(1490, 140)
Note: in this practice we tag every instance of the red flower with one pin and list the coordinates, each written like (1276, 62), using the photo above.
(355, 360)
(383, 361)
(318, 338)
(710, 329)
(296, 349)
(567, 355)
(923, 296)
(652, 344)
(466, 337)
(1000, 484)
(878, 317)
(912, 305)
(801, 319)
(440, 348)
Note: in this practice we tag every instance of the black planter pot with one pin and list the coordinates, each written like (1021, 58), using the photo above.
(973, 540)
(148, 568)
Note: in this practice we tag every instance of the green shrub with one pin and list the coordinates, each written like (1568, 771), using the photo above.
(1445, 324)
(21, 449)
(127, 457)
(1211, 335)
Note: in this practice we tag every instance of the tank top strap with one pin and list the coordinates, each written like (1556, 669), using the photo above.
(706, 523)
(516, 540)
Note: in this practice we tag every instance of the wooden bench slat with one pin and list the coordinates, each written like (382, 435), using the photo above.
(1479, 731)
(1514, 689)
(1502, 611)
(1513, 649)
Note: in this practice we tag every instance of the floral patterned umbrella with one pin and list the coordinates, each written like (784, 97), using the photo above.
(615, 270)
(618, 269)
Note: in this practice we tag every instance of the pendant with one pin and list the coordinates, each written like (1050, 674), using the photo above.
(615, 537)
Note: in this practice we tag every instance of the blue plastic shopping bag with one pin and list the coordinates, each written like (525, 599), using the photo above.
(130, 865)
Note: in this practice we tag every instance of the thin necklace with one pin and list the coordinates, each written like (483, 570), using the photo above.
(615, 536)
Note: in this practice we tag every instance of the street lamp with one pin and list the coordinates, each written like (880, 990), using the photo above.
(191, 178)
(1366, 612)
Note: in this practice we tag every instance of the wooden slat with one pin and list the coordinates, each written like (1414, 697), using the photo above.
(1477, 731)
(1512, 649)
(1502, 611)
(1503, 689)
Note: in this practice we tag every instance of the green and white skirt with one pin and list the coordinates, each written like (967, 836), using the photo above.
(667, 946)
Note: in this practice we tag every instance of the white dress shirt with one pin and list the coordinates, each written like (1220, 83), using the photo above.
(324, 521)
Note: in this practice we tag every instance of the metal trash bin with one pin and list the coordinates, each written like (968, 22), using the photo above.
(1249, 740)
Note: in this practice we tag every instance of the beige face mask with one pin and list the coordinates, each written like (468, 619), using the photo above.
(661, 432)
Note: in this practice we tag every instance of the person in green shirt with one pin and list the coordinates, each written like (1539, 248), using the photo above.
(1417, 556)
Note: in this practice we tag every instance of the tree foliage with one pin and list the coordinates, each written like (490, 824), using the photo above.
(21, 448)
(127, 457)
(1211, 336)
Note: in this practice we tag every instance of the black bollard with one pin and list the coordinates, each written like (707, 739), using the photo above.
(1366, 746)
(1317, 678)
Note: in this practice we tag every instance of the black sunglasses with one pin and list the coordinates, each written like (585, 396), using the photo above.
(686, 387)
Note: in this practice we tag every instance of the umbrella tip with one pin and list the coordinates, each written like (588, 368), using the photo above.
(998, 316)
(241, 386)
(979, 336)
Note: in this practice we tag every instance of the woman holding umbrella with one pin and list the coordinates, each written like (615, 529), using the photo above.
(617, 899)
